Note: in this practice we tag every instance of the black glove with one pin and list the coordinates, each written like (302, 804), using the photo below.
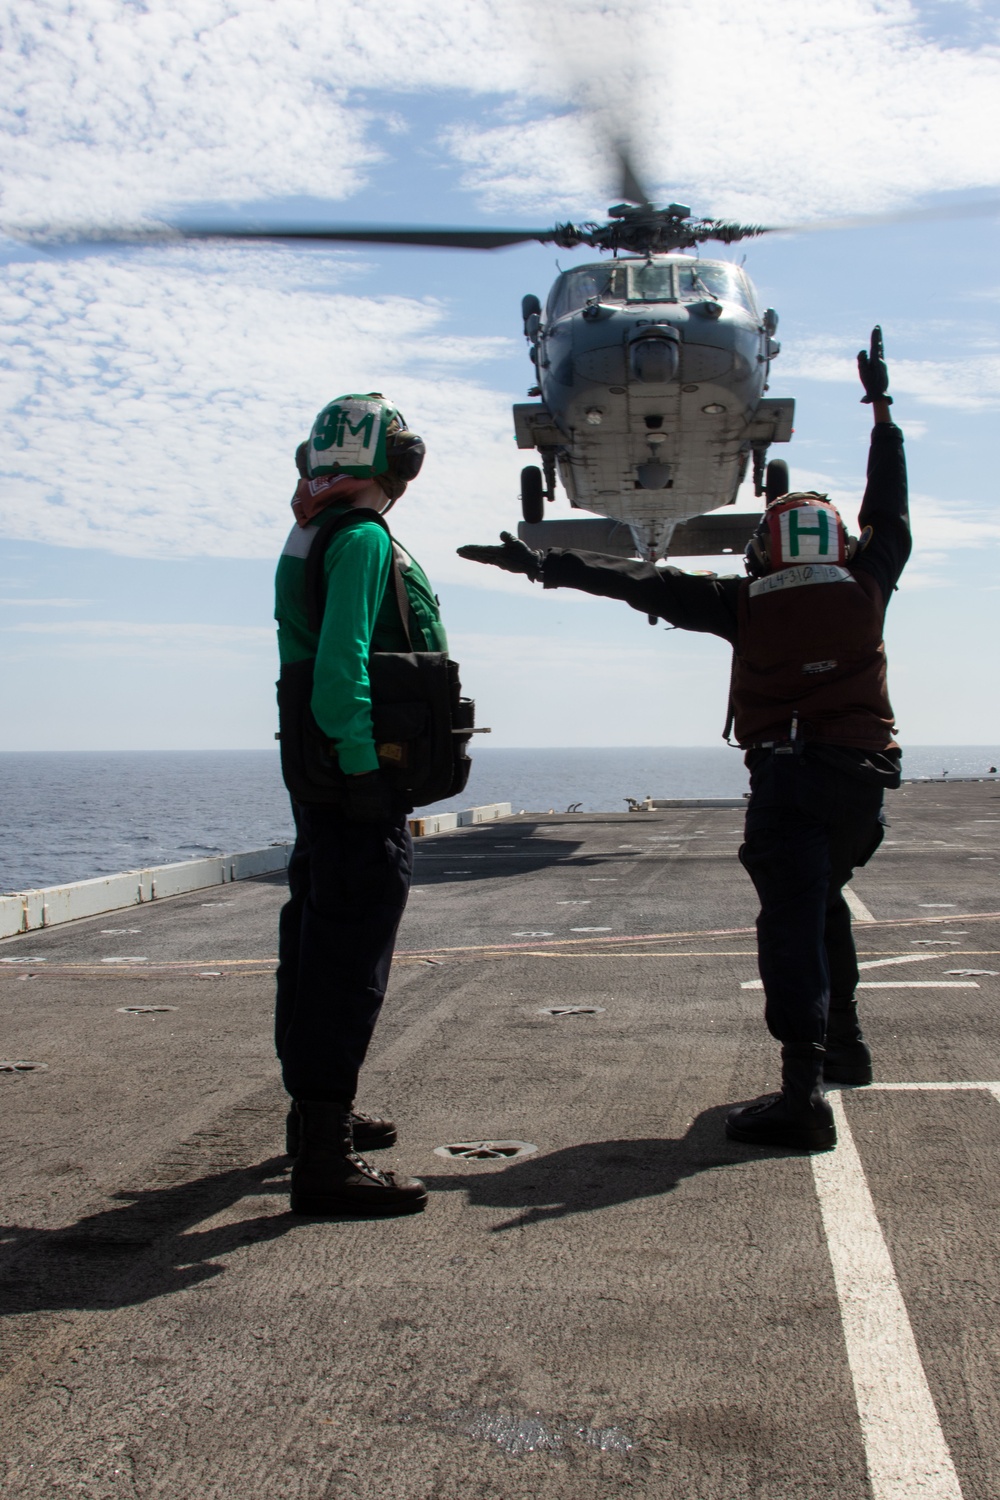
(367, 798)
(873, 371)
(514, 556)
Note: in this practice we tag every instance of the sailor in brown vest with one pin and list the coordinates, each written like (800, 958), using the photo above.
(810, 708)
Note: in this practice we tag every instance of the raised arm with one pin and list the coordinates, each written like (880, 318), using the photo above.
(885, 505)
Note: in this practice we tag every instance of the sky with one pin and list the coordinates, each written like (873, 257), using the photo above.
(151, 397)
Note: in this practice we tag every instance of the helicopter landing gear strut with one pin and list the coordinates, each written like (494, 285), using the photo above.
(549, 470)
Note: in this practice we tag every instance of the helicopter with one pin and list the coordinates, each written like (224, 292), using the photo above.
(651, 369)
(652, 373)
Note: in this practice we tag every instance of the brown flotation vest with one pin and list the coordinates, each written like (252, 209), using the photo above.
(809, 647)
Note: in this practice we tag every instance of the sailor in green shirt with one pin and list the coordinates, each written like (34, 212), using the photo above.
(349, 874)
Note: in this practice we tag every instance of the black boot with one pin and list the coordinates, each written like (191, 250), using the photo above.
(329, 1177)
(848, 1057)
(799, 1117)
(371, 1132)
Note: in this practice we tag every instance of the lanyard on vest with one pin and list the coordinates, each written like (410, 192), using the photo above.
(316, 578)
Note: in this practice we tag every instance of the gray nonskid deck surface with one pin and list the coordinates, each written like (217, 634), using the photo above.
(637, 1308)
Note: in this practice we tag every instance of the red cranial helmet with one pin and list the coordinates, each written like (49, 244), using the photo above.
(798, 528)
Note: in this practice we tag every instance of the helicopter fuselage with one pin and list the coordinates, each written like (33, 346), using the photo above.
(652, 374)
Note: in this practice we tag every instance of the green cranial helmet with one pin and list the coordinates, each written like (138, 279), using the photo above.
(351, 436)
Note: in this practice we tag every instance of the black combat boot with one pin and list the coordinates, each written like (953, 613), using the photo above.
(371, 1132)
(848, 1057)
(799, 1117)
(329, 1177)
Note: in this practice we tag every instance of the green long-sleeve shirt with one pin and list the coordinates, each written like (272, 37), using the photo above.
(361, 615)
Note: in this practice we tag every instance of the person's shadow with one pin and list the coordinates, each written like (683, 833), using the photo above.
(600, 1174)
(148, 1245)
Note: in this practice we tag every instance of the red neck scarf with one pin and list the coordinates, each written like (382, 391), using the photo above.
(313, 495)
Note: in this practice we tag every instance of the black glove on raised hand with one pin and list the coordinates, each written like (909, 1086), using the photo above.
(367, 798)
(514, 556)
(874, 372)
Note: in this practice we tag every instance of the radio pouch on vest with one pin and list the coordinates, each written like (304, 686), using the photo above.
(421, 723)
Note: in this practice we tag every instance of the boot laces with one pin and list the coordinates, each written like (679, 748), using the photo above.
(768, 1101)
(367, 1170)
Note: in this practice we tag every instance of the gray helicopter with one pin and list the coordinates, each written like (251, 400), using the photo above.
(651, 368)
(651, 371)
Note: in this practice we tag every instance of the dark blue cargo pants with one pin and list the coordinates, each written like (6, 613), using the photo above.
(348, 884)
(809, 825)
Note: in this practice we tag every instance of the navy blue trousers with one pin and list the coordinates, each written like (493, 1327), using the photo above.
(348, 884)
(808, 827)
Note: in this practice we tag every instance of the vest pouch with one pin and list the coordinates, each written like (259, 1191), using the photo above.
(416, 704)
(309, 766)
(398, 730)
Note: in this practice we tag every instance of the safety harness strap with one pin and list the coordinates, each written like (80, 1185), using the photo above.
(316, 575)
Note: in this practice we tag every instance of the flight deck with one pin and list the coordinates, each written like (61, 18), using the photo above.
(604, 1297)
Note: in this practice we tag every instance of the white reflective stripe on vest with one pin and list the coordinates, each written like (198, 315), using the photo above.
(795, 578)
(300, 540)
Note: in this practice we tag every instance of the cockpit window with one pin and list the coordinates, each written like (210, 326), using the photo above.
(649, 282)
(710, 279)
(576, 288)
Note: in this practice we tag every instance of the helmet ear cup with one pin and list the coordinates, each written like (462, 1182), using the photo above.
(855, 544)
(405, 452)
(756, 557)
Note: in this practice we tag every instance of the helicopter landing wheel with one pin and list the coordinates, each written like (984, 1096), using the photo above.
(776, 480)
(532, 495)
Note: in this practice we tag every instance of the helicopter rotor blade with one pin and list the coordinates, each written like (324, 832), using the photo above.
(983, 208)
(629, 186)
(454, 239)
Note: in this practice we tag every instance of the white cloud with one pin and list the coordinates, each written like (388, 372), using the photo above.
(778, 113)
(784, 111)
(968, 382)
(87, 639)
(945, 526)
(46, 603)
(152, 405)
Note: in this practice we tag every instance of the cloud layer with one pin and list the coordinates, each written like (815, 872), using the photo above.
(153, 404)
(781, 111)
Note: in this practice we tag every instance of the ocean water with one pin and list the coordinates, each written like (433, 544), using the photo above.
(74, 815)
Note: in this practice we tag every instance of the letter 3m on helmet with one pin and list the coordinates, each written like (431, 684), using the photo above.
(799, 528)
(365, 437)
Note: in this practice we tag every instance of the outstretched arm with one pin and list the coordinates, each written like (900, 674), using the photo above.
(703, 604)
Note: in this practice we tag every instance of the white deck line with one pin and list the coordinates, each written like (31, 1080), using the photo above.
(991, 1088)
(892, 984)
(906, 1451)
(857, 907)
(902, 958)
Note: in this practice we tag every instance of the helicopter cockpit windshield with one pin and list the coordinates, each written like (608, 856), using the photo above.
(649, 281)
(575, 289)
(715, 280)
